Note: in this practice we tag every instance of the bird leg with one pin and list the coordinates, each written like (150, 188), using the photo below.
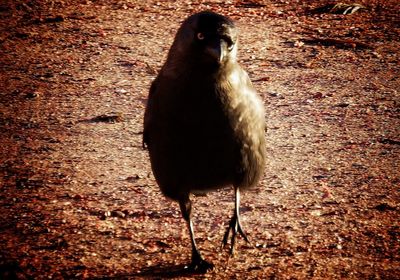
(234, 225)
(198, 264)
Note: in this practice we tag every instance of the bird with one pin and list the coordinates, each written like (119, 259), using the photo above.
(204, 123)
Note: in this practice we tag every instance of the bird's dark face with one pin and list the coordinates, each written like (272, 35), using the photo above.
(214, 37)
(208, 39)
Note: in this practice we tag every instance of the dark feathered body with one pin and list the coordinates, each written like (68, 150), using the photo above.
(204, 123)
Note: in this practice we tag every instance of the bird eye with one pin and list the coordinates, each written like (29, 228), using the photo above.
(200, 36)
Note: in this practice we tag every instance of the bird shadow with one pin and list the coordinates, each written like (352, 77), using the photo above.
(166, 271)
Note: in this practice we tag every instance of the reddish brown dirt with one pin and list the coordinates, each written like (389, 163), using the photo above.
(78, 199)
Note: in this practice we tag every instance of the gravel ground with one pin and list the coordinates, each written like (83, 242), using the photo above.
(78, 199)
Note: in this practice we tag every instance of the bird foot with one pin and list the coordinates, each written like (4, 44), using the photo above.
(235, 227)
(199, 265)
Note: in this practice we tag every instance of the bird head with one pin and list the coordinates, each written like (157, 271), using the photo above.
(207, 39)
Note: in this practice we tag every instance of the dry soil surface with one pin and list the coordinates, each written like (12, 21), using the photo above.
(77, 196)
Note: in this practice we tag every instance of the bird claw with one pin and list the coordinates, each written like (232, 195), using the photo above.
(199, 265)
(235, 227)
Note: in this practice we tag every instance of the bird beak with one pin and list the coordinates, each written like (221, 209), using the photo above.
(217, 50)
